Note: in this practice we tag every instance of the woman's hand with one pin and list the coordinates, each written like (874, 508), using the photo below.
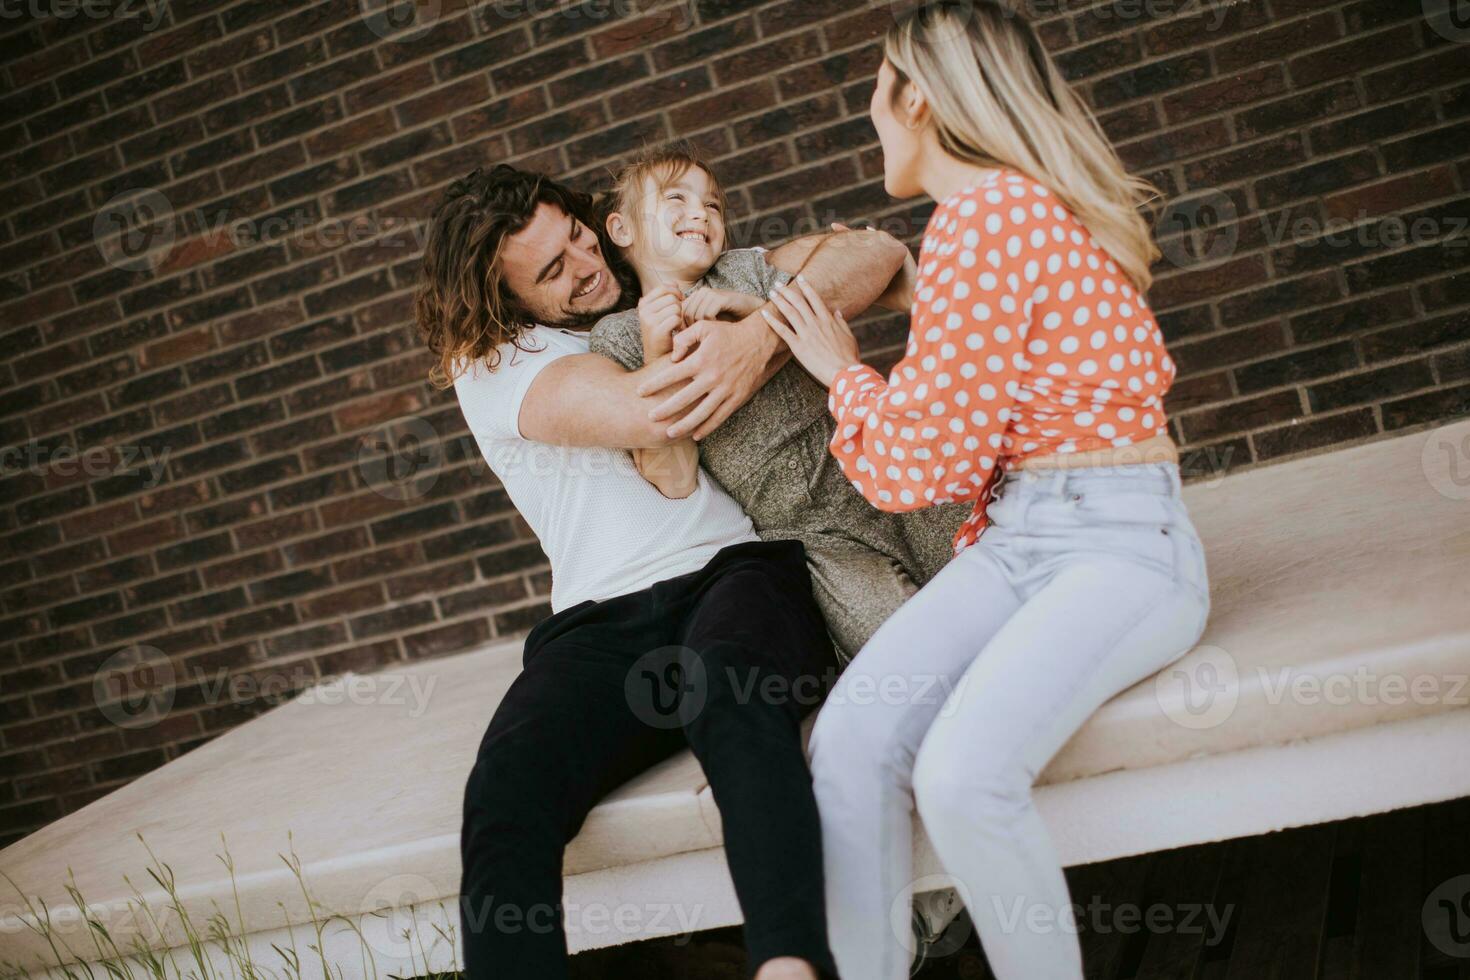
(708, 304)
(821, 340)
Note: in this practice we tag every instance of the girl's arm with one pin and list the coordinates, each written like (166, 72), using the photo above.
(673, 469)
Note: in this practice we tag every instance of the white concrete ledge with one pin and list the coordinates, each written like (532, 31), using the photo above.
(1330, 684)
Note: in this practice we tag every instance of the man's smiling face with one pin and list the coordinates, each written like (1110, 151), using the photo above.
(556, 268)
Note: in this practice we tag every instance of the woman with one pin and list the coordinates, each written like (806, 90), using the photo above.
(1033, 385)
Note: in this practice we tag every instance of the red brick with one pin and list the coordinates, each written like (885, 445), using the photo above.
(1391, 196)
(181, 347)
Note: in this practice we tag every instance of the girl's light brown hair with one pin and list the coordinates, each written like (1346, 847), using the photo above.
(660, 165)
(997, 99)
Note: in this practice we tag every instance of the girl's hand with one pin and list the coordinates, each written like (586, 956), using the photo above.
(660, 316)
(820, 340)
(708, 304)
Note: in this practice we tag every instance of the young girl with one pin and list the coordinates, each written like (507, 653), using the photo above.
(666, 214)
(1032, 385)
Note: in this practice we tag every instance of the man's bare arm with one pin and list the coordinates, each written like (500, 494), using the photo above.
(848, 269)
(591, 400)
(899, 296)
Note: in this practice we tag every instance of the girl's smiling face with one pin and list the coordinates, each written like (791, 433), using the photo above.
(678, 230)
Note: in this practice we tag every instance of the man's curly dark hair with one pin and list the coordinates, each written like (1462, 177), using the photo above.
(463, 307)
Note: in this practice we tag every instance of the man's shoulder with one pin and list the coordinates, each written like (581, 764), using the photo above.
(533, 342)
(509, 362)
(491, 388)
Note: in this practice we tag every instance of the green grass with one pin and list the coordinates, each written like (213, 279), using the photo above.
(104, 959)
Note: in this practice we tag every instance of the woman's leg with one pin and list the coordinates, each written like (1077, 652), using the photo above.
(1096, 627)
(862, 751)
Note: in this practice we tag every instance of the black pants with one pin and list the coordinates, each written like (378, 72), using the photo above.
(725, 660)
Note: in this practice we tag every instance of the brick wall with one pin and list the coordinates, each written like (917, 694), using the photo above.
(222, 457)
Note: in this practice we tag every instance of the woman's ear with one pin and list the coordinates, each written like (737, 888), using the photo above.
(915, 106)
(619, 230)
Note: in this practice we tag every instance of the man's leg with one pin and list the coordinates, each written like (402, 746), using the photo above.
(760, 655)
(563, 737)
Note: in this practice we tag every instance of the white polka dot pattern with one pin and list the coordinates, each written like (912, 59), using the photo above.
(1026, 339)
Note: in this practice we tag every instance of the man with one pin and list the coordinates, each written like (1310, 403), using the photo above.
(643, 587)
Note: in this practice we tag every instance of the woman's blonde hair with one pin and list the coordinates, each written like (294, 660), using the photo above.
(997, 99)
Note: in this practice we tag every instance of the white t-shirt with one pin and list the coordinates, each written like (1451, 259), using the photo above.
(606, 529)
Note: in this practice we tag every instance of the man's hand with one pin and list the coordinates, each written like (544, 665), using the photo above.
(660, 315)
(716, 367)
(720, 365)
(708, 304)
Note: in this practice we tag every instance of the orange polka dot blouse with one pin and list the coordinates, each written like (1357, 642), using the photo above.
(1026, 339)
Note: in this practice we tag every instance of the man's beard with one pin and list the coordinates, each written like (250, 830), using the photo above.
(627, 299)
(584, 319)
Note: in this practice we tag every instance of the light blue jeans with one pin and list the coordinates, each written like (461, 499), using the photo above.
(1086, 581)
